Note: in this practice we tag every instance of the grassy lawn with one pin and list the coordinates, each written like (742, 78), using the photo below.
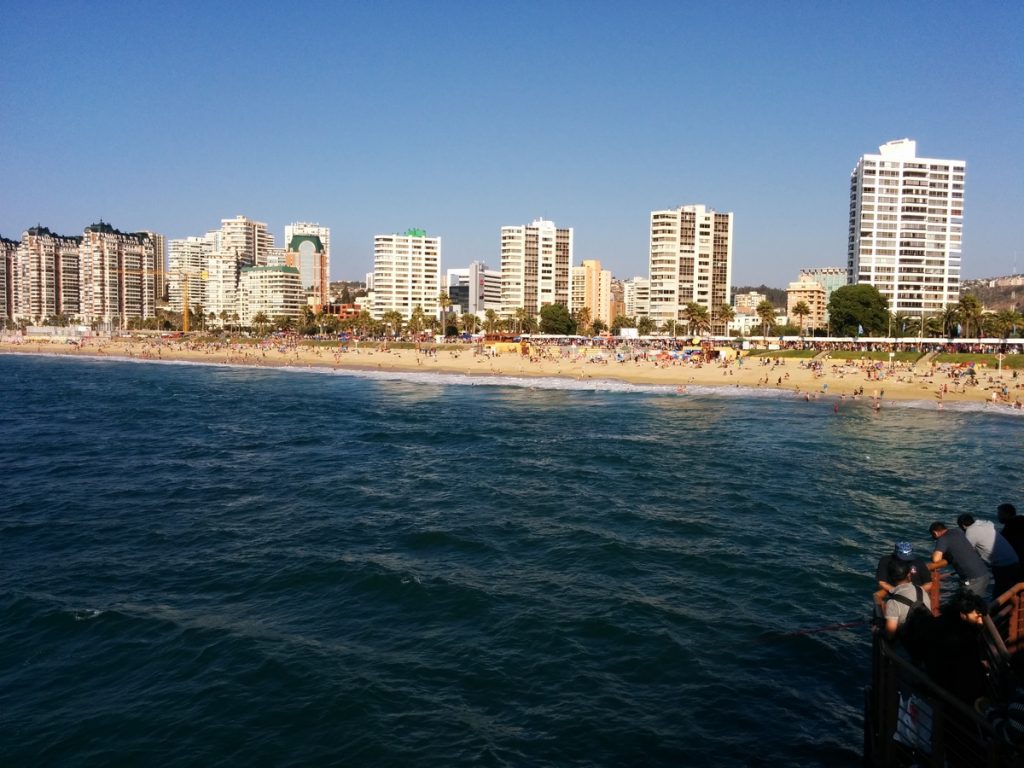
(882, 356)
(1011, 362)
(800, 354)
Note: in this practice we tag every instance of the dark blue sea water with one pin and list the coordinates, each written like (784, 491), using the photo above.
(227, 566)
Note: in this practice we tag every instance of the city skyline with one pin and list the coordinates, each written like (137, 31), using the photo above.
(460, 120)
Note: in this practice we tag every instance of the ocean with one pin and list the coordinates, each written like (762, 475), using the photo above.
(214, 565)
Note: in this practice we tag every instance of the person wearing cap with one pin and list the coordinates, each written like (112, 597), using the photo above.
(903, 551)
(952, 545)
(994, 550)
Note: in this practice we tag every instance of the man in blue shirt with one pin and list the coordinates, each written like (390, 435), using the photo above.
(952, 545)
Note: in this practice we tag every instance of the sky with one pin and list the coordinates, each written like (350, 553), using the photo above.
(463, 117)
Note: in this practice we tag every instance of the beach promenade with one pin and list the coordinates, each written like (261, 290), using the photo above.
(822, 378)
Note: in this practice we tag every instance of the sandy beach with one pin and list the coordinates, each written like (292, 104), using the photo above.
(823, 378)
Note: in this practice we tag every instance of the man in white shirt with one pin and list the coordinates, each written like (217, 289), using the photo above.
(995, 550)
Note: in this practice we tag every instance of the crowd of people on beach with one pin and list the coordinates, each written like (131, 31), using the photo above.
(946, 639)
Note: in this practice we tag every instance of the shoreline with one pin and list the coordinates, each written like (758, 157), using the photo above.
(833, 381)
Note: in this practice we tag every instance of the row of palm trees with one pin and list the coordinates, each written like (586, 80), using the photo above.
(966, 319)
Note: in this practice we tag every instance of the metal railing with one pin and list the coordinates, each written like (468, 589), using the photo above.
(909, 719)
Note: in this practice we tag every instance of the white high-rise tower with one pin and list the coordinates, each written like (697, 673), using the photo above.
(536, 267)
(906, 223)
(691, 262)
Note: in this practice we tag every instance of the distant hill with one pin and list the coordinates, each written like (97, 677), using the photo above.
(777, 296)
(996, 297)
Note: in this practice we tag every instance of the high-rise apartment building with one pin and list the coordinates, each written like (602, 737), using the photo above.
(189, 260)
(160, 259)
(47, 276)
(118, 280)
(406, 273)
(8, 248)
(636, 296)
(247, 240)
(308, 253)
(536, 267)
(691, 261)
(271, 291)
(592, 288)
(906, 224)
(310, 266)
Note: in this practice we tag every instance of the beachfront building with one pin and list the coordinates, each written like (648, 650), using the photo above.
(536, 267)
(636, 295)
(247, 240)
(314, 266)
(592, 288)
(906, 223)
(188, 260)
(8, 248)
(307, 252)
(406, 273)
(690, 262)
(813, 294)
(46, 276)
(160, 259)
(220, 284)
(117, 276)
(474, 289)
(274, 292)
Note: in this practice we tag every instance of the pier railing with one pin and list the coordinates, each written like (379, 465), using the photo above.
(909, 719)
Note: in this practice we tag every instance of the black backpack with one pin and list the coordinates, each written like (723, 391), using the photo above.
(917, 629)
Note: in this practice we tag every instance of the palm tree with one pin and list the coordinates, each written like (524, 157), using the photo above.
(444, 301)
(393, 319)
(670, 327)
(725, 314)
(697, 318)
(522, 316)
(418, 319)
(766, 311)
(645, 325)
(260, 321)
(364, 322)
(469, 322)
(950, 318)
(971, 311)
(1007, 323)
(490, 320)
(584, 322)
(224, 317)
(801, 310)
(904, 324)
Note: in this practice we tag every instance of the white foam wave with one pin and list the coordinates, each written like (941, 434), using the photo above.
(548, 383)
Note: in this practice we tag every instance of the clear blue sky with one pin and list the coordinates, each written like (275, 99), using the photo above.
(461, 117)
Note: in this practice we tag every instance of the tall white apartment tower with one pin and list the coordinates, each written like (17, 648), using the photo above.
(406, 273)
(536, 267)
(691, 261)
(247, 240)
(906, 223)
(189, 260)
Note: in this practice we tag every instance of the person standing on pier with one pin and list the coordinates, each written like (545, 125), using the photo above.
(952, 545)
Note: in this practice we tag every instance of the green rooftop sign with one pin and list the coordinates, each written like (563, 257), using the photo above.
(415, 233)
